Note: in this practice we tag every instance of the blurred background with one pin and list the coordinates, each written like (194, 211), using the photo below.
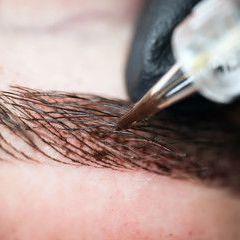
(72, 45)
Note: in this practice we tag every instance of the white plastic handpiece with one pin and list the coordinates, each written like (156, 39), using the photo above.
(207, 47)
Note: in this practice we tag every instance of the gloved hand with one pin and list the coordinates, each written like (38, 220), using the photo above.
(151, 54)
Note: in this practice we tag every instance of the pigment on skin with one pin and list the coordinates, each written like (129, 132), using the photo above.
(80, 129)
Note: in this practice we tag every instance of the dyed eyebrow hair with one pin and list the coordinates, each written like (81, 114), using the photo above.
(80, 129)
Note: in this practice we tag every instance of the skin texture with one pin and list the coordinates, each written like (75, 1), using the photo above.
(64, 202)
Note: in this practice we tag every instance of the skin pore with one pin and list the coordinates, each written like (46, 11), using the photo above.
(53, 200)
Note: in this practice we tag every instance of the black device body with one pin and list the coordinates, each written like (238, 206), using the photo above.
(151, 55)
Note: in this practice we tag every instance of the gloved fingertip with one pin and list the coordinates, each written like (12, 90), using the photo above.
(151, 55)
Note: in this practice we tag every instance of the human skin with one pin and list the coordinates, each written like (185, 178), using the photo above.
(64, 202)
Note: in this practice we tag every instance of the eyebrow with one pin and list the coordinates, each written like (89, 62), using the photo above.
(80, 129)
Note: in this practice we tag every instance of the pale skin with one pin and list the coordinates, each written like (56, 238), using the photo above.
(63, 202)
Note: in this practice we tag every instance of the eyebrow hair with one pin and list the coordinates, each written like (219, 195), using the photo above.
(80, 129)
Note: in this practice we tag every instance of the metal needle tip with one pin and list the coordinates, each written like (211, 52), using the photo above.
(144, 108)
(171, 88)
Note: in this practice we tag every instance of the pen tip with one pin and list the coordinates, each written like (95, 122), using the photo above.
(124, 122)
(140, 111)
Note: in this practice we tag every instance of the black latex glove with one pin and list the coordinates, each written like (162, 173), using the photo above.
(151, 55)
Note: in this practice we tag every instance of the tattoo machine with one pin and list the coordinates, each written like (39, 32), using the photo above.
(206, 46)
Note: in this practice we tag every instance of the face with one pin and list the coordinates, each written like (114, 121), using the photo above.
(81, 46)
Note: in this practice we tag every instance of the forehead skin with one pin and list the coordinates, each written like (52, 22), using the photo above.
(59, 202)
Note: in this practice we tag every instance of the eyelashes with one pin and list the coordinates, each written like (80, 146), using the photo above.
(80, 129)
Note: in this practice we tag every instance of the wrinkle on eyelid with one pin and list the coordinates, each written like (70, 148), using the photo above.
(80, 129)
